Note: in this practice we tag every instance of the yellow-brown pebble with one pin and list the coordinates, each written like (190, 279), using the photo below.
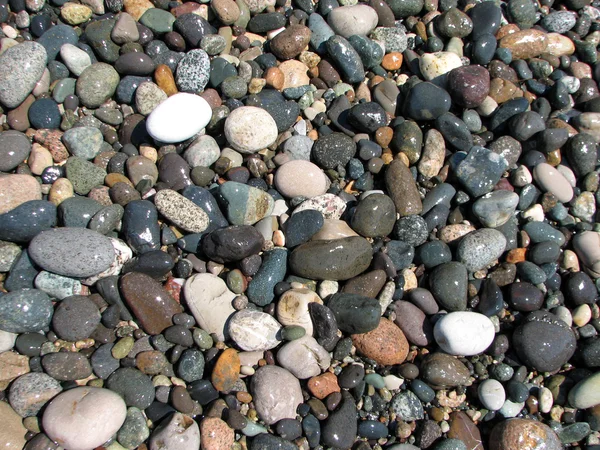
(226, 371)
(164, 79)
(392, 61)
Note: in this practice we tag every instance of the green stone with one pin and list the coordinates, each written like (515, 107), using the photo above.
(236, 281)
(84, 175)
(134, 430)
(63, 88)
(158, 20)
(98, 37)
(574, 432)
(202, 339)
(292, 332)
(244, 17)
(122, 348)
(375, 380)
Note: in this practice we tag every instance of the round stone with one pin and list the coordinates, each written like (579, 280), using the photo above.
(96, 84)
(464, 333)
(30, 392)
(249, 129)
(299, 178)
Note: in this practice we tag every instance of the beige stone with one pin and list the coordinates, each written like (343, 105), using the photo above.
(12, 431)
(17, 189)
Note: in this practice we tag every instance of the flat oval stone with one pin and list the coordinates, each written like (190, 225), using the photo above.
(26, 310)
(233, 243)
(551, 180)
(448, 284)
(254, 330)
(99, 411)
(525, 44)
(209, 300)
(496, 208)
(140, 226)
(249, 129)
(96, 84)
(72, 252)
(544, 342)
(339, 259)
(149, 302)
(18, 189)
(402, 189)
(66, 366)
(414, 323)
(31, 391)
(178, 118)
(12, 434)
(261, 289)
(352, 19)
(374, 216)
(299, 178)
(24, 222)
(276, 394)
(182, 212)
(290, 42)
(464, 333)
(304, 357)
(480, 248)
(525, 434)
(491, 394)
(21, 67)
(341, 428)
(346, 58)
(14, 149)
(585, 394)
(441, 371)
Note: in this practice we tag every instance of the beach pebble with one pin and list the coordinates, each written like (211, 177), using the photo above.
(299, 178)
(254, 330)
(491, 394)
(276, 392)
(242, 126)
(464, 333)
(352, 19)
(177, 432)
(178, 118)
(551, 180)
(18, 189)
(303, 357)
(21, 67)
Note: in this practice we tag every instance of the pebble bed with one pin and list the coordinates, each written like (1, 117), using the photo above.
(279, 225)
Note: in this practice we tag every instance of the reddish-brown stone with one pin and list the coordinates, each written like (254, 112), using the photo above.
(226, 371)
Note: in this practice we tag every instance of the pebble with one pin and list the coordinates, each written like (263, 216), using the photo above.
(25, 310)
(352, 19)
(18, 79)
(385, 345)
(96, 84)
(13, 433)
(246, 205)
(84, 408)
(277, 394)
(444, 371)
(182, 212)
(479, 249)
(177, 433)
(18, 189)
(303, 357)
(299, 178)
(254, 330)
(171, 121)
(464, 333)
(551, 180)
(30, 392)
(525, 433)
(491, 394)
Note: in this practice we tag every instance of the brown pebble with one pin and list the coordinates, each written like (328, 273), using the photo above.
(215, 434)
(164, 79)
(383, 136)
(392, 61)
(516, 255)
(386, 344)
(18, 118)
(274, 77)
(181, 400)
(226, 371)
(525, 44)
(463, 428)
(323, 385)
(151, 362)
(289, 43)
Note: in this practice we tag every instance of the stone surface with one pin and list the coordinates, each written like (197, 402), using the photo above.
(178, 118)
(464, 333)
(277, 394)
(254, 330)
(242, 129)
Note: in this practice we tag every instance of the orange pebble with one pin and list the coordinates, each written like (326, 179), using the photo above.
(516, 255)
(226, 371)
(392, 61)
(164, 79)
(383, 136)
(275, 78)
(323, 385)
(244, 397)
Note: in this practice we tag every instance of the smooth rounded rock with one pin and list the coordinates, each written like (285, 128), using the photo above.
(299, 178)
(178, 118)
(464, 333)
(249, 129)
(254, 330)
(276, 392)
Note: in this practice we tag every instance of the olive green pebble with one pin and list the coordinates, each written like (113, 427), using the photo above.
(236, 281)
(122, 348)
(292, 332)
(202, 339)
(96, 382)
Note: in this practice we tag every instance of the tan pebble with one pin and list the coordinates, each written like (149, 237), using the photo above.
(113, 178)
(137, 8)
(434, 152)
(310, 59)
(502, 90)
(17, 189)
(75, 13)
(525, 44)
(243, 397)
(256, 85)
(165, 80)
(274, 78)
(383, 136)
(570, 261)
(453, 232)
(392, 61)
(582, 315)
(215, 434)
(410, 280)
(61, 190)
(506, 30)
(294, 73)
(12, 431)
(12, 365)
(226, 10)
(559, 45)
(581, 70)
(39, 159)
(589, 122)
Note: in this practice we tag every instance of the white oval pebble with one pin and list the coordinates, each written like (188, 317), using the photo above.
(553, 181)
(299, 178)
(433, 65)
(249, 129)
(586, 393)
(7, 340)
(352, 19)
(464, 333)
(491, 394)
(276, 393)
(84, 418)
(178, 118)
(587, 247)
(254, 330)
(180, 432)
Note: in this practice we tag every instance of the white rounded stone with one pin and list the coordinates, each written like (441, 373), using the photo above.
(491, 394)
(352, 19)
(178, 118)
(464, 333)
(586, 393)
(249, 129)
(304, 357)
(553, 181)
(433, 65)
(292, 308)
(276, 394)
(84, 418)
(209, 300)
(587, 247)
(300, 178)
(180, 432)
(254, 330)
(75, 58)
(7, 341)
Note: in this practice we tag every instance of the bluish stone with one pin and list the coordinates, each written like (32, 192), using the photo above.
(140, 226)
(480, 170)
(26, 310)
(78, 211)
(22, 273)
(56, 37)
(272, 271)
(372, 429)
(24, 222)
(190, 366)
(127, 86)
(320, 33)
(346, 59)
(370, 52)
(205, 200)
(44, 113)
(426, 101)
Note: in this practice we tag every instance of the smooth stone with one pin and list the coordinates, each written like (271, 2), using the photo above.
(339, 259)
(385, 345)
(276, 394)
(551, 180)
(75, 58)
(480, 170)
(464, 333)
(193, 71)
(525, 297)
(480, 248)
(26, 310)
(66, 366)
(177, 432)
(14, 149)
(153, 306)
(30, 392)
(96, 84)
(9, 253)
(21, 67)
(204, 152)
(254, 330)
(346, 58)
(413, 322)
(7, 341)
(72, 252)
(242, 126)
(182, 212)
(524, 434)
(584, 394)
(300, 227)
(440, 370)
(84, 142)
(178, 118)
(587, 247)
(333, 150)
(27, 220)
(407, 406)
(491, 394)
(272, 271)
(448, 283)
(368, 284)
(299, 178)
(140, 226)
(355, 314)
(374, 216)
(333, 229)
(544, 342)
(84, 175)
(18, 189)
(290, 42)
(246, 205)
(134, 430)
(496, 208)
(352, 19)
(341, 427)
(100, 411)
(293, 308)
(233, 243)
(303, 358)
(402, 189)
(525, 44)
(426, 101)
(330, 205)
(12, 433)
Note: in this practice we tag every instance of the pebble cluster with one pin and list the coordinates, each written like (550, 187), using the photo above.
(287, 224)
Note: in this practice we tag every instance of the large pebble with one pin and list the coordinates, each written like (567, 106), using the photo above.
(72, 252)
(464, 333)
(385, 345)
(249, 129)
(12, 432)
(182, 212)
(178, 118)
(30, 392)
(177, 432)
(586, 394)
(96, 84)
(552, 180)
(209, 300)
(524, 434)
(491, 394)
(276, 393)
(352, 19)
(25, 310)
(299, 178)
(17, 189)
(587, 247)
(98, 411)
(246, 204)
(304, 357)
(293, 308)
(479, 249)
(254, 330)
(441, 370)
(21, 67)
